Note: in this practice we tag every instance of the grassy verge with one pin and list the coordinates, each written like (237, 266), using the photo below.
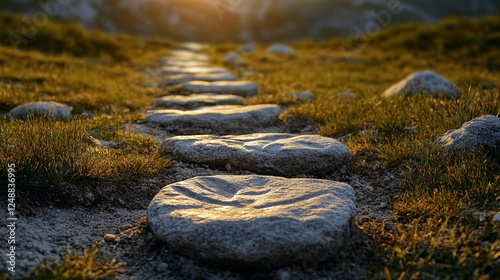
(442, 225)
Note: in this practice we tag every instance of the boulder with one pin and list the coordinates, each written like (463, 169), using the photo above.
(172, 70)
(427, 82)
(253, 221)
(263, 153)
(241, 88)
(193, 101)
(304, 96)
(225, 119)
(279, 48)
(51, 109)
(182, 78)
(233, 58)
(479, 132)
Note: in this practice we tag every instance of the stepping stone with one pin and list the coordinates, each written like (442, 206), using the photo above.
(305, 96)
(216, 120)
(253, 221)
(193, 47)
(172, 70)
(189, 55)
(182, 78)
(183, 63)
(234, 58)
(479, 132)
(198, 100)
(279, 48)
(263, 153)
(427, 82)
(53, 110)
(241, 88)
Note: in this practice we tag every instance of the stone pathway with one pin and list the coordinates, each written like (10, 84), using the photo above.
(244, 220)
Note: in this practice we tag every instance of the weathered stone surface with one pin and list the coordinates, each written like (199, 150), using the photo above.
(253, 221)
(305, 96)
(233, 58)
(241, 88)
(427, 82)
(182, 78)
(193, 101)
(279, 48)
(54, 110)
(172, 70)
(216, 120)
(273, 153)
(482, 131)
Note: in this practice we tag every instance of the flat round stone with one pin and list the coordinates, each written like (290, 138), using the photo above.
(223, 119)
(254, 221)
(194, 101)
(241, 88)
(263, 153)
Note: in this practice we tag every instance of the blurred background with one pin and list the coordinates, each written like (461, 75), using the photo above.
(243, 20)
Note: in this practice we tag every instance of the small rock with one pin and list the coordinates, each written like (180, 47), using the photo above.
(482, 131)
(161, 267)
(369, 189)
(126, 226)
(111, 238)
(279, 48)
(228, 167)
(427, 82)
(348, 95)
(479, 216)
(51, 109)
(234, 58)
(103, 144)
(250, 48)
(496, 217)
(304, 96)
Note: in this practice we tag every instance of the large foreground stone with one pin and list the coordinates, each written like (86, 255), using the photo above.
(183, 78)
(193, 101)
(241, 88)
(216, 120)
(427, 82)
(51, 109)
(175, 70)
(273, 153)
(479, 132)
(253, 221)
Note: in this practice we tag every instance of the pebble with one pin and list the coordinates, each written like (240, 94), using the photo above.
(110, 238)
(161, 267)
(496, 217)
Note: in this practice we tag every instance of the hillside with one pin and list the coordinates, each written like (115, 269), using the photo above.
(258, 20)
(421, 212)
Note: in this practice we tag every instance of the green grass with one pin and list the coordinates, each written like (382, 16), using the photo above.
(87, 266)
(433, 233)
